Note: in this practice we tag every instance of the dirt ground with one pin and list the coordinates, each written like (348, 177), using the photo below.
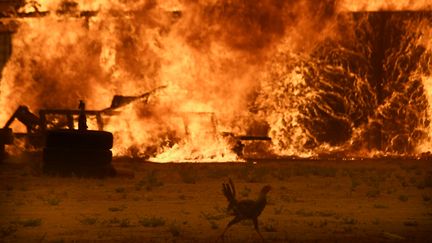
(320, 201)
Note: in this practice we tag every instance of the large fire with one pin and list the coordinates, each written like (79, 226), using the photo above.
(318, 78)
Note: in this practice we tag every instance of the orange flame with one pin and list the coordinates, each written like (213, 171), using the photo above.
(220, 60)
(380, 5)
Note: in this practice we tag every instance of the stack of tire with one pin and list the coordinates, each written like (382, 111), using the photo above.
(78, 152)
(6, 137)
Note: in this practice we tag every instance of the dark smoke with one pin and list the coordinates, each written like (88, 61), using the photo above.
(255, 26)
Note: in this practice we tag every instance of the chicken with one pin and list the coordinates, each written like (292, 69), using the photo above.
(244, 209)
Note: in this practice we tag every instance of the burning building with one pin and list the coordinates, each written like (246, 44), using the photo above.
(331, 78)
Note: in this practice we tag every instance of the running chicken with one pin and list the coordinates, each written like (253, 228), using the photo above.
(244, 209)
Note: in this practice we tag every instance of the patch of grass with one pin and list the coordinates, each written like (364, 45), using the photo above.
(354, 183)
(326, 213)
(270, 227)
(117, 209)
(112, 221)
(347, 229)
(213, 225)
(256, 174)
(283, 188)
(304, 213)
(174, 229)
(288, 198)
(220, 210)
(120, 190)
(349, 220)
(150, 181)
(20, 203)
(53, 201)
(375, 179)
(393, 237)
(282, 174)
(58, 241)
(8, 188)
(278, 210)
(373, 193)
(315, 224)
(426, 182)
(303, 170)
(88, 220)
(413, 180)
(411, 223)
(7, 230)
(210, 217)
(323, 223)
(124, 223)
(380, 206)
(376, 221)
(188, 175)
(403, 198)
(391, 190)
(409, 168)
(402, 180)
(218, 173)
(151, 221)
(140, 184)
(30, 222)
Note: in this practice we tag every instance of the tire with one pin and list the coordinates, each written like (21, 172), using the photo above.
(2, 152)
(76, 157)
(6, 136)
(75, 139)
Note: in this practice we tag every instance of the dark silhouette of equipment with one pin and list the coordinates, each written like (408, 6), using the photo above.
(65, 148)
(6, 137)
(60, 119)
(23, 114)
(81, 152)
(244, 209)
(122, 100)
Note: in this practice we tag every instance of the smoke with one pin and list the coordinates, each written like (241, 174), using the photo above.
(255, 27)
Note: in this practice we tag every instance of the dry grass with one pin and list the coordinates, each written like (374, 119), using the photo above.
(310, 201)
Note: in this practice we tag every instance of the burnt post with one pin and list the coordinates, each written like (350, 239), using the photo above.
(82, 120)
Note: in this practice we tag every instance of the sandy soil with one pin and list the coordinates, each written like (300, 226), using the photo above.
(324, 201)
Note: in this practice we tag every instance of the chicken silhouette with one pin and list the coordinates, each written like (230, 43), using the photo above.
(246, 209)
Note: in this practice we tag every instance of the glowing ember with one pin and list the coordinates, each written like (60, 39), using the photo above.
(315, 77)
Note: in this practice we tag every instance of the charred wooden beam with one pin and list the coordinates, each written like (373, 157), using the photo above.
(253, 138)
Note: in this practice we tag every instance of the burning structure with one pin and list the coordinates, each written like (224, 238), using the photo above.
(330, 78)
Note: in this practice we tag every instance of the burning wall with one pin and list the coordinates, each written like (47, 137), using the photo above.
(323, 79)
